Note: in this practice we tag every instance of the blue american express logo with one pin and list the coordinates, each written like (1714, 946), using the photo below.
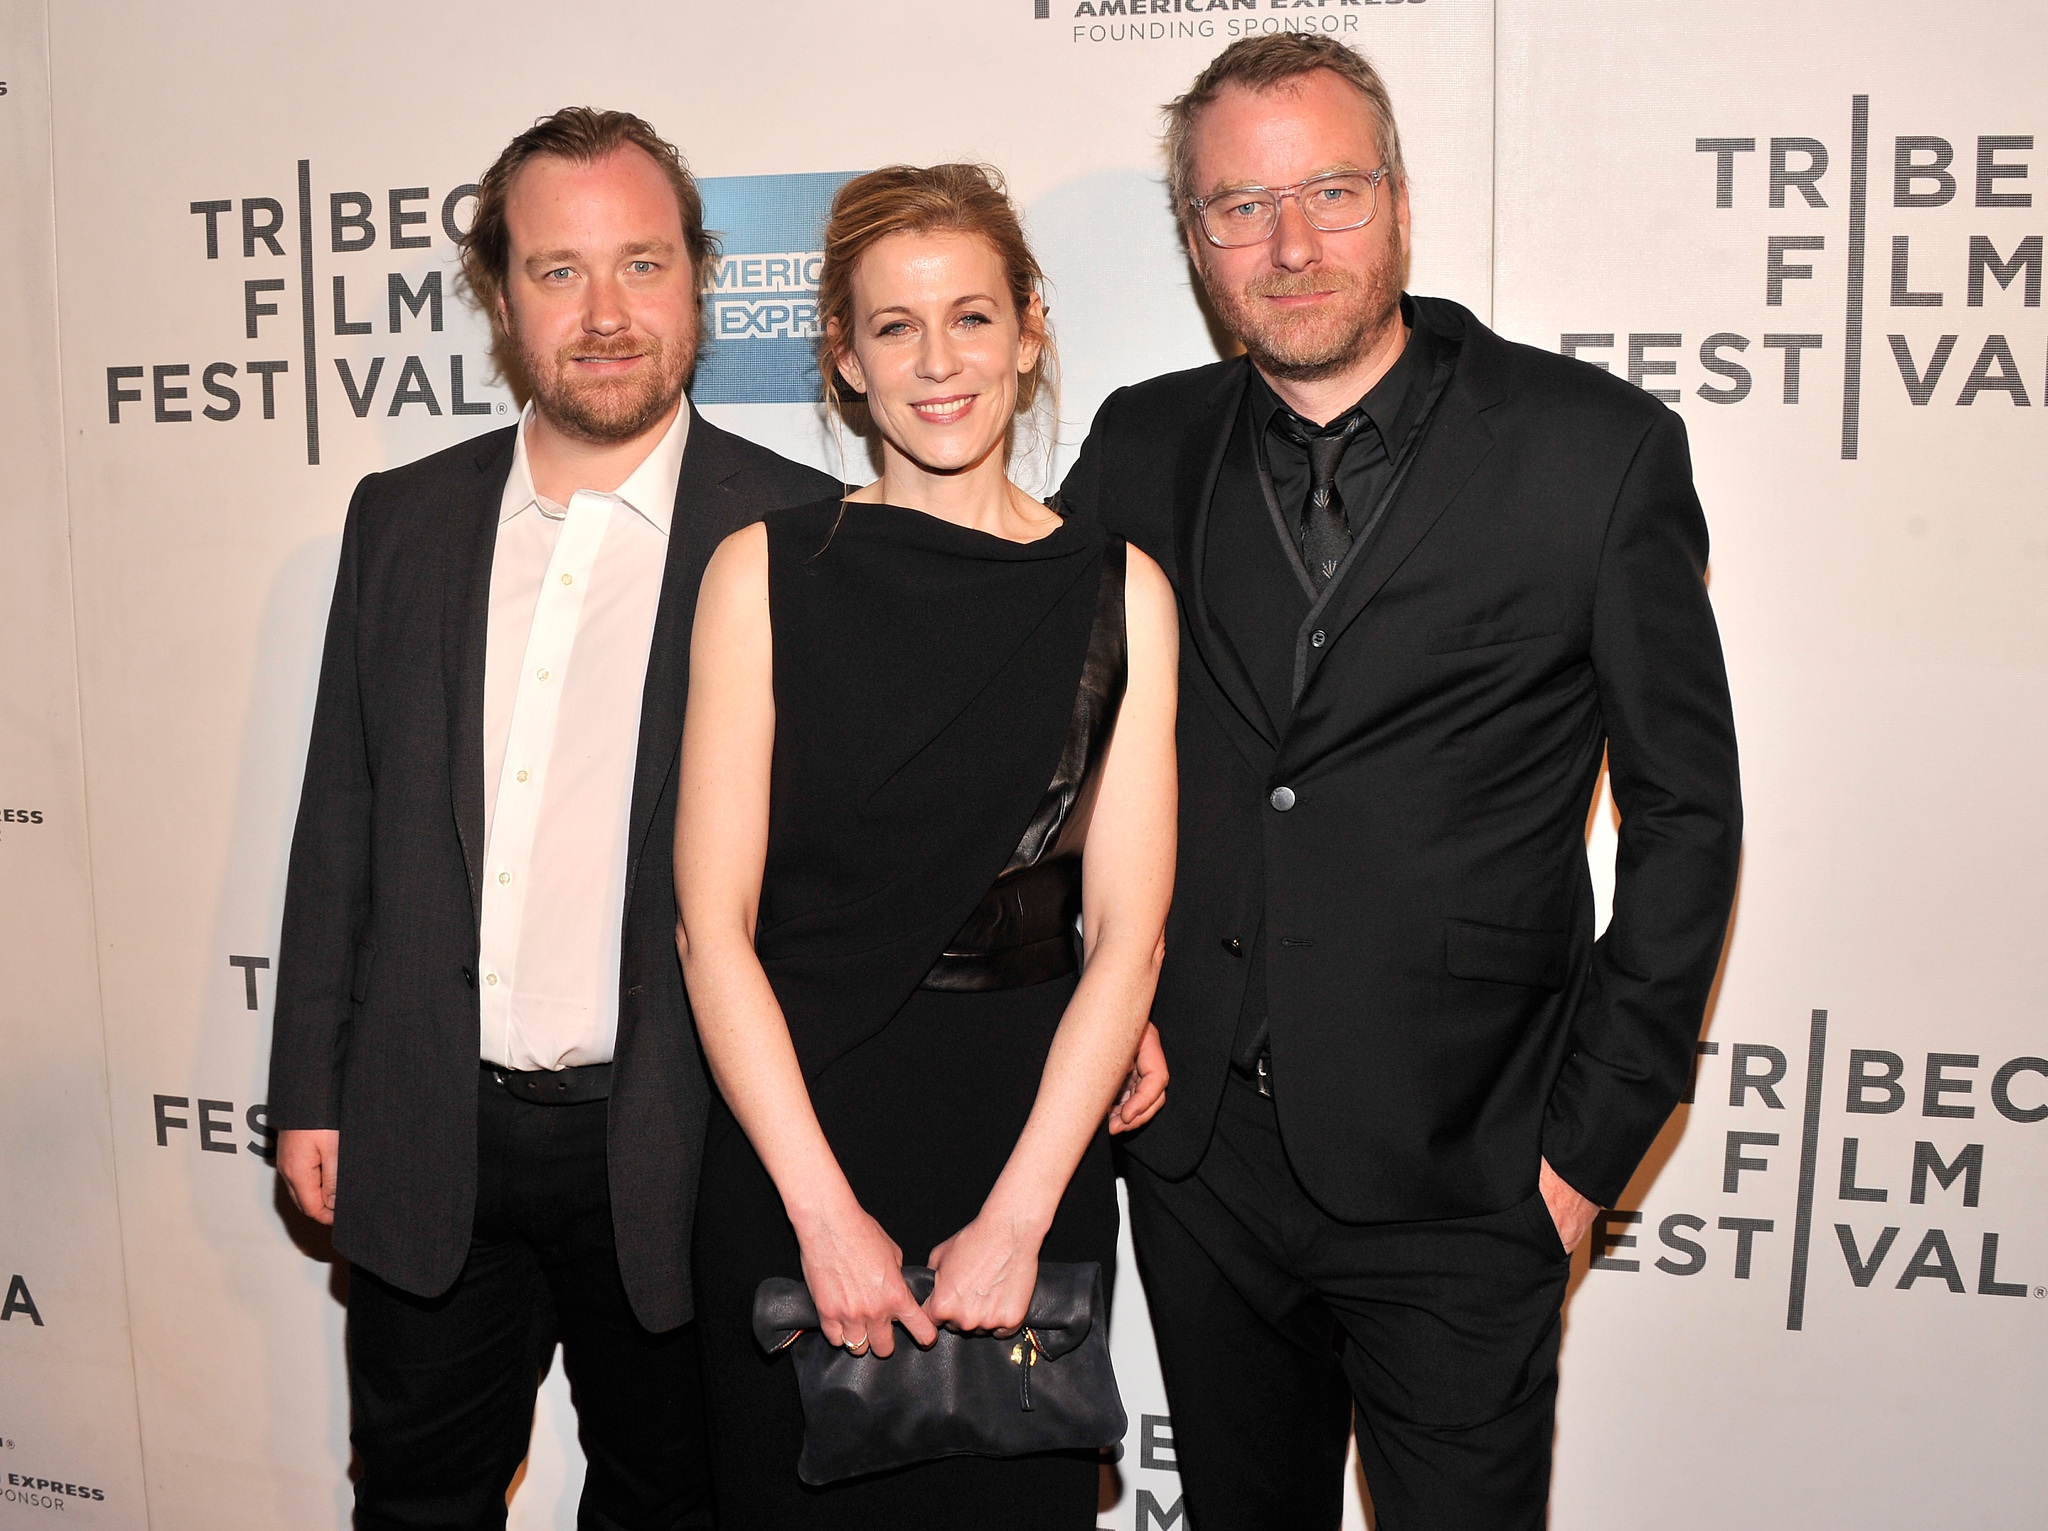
(760, 306)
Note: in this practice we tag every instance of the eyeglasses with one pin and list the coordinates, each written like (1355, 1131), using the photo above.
(1247, 215)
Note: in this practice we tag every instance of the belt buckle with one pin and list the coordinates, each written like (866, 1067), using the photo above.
(1265, 1074)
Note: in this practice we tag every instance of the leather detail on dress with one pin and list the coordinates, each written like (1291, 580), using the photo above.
(1021, 933)
(1023, 930)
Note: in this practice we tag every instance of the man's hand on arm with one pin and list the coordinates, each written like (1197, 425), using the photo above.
(309, 1158)
(1145, 1091)
(1572, 1213)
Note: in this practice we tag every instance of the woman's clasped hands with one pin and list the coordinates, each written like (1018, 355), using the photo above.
(855, 1273)
(984, 1276)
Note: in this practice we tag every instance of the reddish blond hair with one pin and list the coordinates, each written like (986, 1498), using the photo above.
(904, 199)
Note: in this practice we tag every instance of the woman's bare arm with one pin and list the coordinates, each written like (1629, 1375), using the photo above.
(986, 1272)
(853, 1268)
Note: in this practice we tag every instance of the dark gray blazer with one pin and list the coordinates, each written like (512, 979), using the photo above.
(377, 1019)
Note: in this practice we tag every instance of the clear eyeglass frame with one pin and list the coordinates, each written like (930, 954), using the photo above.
(1269, 197)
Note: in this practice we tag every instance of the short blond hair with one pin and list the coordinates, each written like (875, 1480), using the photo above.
(1261, 63)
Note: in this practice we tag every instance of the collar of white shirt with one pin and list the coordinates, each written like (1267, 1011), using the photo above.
(650, 489)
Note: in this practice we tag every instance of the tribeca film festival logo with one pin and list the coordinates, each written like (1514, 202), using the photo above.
(1156, 1455)
(209, 1126)
(1887, 1099)
(344, 241)
(19, 1302)
(323, 265)
(1995, 267)
(1141, 21)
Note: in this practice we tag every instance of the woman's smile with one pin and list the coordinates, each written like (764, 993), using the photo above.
(944, 411)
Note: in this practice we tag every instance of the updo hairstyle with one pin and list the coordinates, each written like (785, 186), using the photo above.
(942, 199)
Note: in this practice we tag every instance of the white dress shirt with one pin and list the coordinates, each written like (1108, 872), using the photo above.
(574, 590)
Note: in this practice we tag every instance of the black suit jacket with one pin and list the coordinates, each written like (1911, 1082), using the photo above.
(1441, 1016)
(377, 1019)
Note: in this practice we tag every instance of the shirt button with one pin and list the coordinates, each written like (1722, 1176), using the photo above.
(568, 579)
(540, 675)
(521, 776)
(1282, 799)
(504, 877)
(490, 978)
(1318, 638)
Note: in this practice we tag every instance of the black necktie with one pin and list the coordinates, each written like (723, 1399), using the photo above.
(1325, 534)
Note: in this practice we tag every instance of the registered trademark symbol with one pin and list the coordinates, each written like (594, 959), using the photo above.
(2041, 1291)
(501, 409)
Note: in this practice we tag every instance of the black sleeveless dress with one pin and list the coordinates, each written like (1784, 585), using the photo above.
(943, 702)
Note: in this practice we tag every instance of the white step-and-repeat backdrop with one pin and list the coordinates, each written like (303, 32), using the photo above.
(1812, 230)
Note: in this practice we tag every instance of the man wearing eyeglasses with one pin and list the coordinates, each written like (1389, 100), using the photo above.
(1428, 578)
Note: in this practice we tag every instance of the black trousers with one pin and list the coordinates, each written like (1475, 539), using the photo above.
(441, 1389)
(1275, 1322)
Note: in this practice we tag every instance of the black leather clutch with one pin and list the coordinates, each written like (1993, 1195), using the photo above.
(1049, 1388)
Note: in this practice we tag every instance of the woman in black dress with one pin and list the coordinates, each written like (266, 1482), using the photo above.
(910, 713)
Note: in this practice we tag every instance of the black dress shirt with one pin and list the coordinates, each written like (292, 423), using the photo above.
(1256, 586)
(1382, 420)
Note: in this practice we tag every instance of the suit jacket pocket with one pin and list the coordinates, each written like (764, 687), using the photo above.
(1505, 954)
(359, 985)
(1449, 640)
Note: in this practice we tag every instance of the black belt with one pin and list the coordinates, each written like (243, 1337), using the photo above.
(1259, 1074)
(554, 1087)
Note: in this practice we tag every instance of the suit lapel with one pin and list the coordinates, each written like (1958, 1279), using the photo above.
(466, 610)
(705, 514)
(1461, 441)
(1194, 494)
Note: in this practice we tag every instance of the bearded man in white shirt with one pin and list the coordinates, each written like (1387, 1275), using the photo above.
(478, 991)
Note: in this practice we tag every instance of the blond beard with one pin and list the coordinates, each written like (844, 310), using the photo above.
(606, 410)
(1327, 345)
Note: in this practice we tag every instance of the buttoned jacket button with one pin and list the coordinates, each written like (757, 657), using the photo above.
(1234, 946)
(1318, 638)
(1282, 799)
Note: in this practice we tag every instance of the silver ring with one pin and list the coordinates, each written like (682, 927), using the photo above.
(857, 1349)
